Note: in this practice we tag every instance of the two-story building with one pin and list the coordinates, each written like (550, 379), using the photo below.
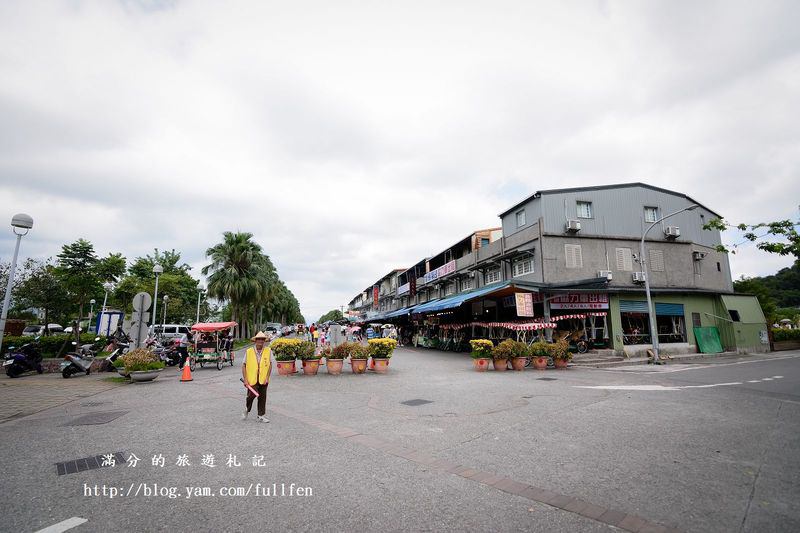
(577, 254)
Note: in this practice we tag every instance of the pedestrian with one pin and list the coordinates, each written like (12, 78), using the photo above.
(315, 335)
(256, 370)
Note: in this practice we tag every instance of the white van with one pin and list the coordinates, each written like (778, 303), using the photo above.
(170, 331)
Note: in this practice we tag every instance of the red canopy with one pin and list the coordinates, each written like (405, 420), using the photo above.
(213, 326)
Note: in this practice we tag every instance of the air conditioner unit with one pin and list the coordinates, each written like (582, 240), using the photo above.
(573, 225)
(672, 232)
(698, 256)
(638, 277)
(605, 274)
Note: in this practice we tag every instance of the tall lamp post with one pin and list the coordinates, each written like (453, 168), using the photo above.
(164, 319)
(199, 295)
(24, 223)
(157, 270)
(651, 312)
(108, 286)
(91, 313)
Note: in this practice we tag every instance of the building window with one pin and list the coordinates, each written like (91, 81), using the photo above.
(656, 260)
(522, 267)
(696, 320)
(624, 260)
(719, 267)
(450, 288)
(573, 255)
(492, 276)
(466, 284)
(485, 241)
(697, 268)
(584, 209)
(734, 315)
(520, 218)
(650, 214)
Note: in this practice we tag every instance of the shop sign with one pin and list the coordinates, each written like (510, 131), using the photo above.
(524, 303)
(375, 295)
(580, 300)
(402, 289)
(447, 268)
(412, 286)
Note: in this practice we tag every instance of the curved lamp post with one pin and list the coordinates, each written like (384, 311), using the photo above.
(157, 270)
(651, 312)
(20, 225)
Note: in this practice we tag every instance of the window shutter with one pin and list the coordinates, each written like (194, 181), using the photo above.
(656, 260)
(572, 252)
(624, 259)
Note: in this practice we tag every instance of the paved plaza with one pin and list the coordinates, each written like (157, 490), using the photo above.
(430, 446)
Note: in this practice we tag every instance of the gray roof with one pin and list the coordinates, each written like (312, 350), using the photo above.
(537, 194)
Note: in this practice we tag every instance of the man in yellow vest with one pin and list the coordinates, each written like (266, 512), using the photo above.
(255, 371)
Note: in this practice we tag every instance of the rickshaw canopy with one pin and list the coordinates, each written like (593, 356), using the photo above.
(213, 326)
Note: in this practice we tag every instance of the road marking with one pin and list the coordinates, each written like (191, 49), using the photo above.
(766, 379)
(689, 366)
(777, 377)
(69, 523)
(656, 387)
(754, 381)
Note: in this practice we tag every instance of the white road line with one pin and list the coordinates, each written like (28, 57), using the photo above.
(754, 381)
(691, 366)
(69, 523)
(777, 377)
(766, 379)
(655, 387)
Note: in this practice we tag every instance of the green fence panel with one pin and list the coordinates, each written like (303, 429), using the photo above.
(708, 339)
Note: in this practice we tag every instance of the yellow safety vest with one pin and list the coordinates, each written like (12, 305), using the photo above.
(257, 373)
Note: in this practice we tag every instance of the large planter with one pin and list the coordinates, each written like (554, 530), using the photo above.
(518, 363)
(481, 365)
(122, 372)
(500, 365)
(310, 366)
(381, 365)
(139, 376)
(561, 364)
(359, 366)
(286, 367)
(540, 362)
(334, 366)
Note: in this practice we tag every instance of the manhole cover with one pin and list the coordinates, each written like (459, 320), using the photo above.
(547, 379)
(93, 419)
(416, 402)
(88, 463)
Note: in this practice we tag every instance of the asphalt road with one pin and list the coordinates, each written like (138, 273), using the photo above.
(694, 447)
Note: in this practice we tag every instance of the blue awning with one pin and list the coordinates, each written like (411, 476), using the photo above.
(455, 301)
(398, 312)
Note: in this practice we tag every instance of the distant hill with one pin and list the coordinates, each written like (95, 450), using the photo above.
(780, 290)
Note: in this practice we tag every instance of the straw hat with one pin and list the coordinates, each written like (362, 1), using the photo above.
(259, 335)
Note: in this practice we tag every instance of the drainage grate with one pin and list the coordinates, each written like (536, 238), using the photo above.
(93, 419)
(86, 463)
(416, 402)
(547, 379)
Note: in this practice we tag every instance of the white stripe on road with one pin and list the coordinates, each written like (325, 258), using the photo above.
(69, 523)
(656, 387)
(766, 379)
(778, 377)
(754, 381)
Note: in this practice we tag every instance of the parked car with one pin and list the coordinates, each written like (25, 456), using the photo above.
(170, 331)
(36, 330)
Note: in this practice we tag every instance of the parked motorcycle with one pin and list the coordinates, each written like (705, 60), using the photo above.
(79, 361)
(118, 348)
(26, 358)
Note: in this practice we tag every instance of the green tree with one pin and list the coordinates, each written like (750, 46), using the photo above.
(76, 270)
(334, 315)
(780, 237)
(41, 289)
(111, 268)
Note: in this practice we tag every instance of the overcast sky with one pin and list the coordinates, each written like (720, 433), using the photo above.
(356, 137)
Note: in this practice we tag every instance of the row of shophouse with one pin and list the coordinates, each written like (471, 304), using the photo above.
(570, 260)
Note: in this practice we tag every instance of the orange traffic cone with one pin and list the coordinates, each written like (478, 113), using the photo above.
(187, 372)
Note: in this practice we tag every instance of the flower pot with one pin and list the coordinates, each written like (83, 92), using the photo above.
(139, 376)
(286, 367)
(381, 365)
(359, 366)
(561, 363)
(310, 366)
(540, 362)
(122, 372)
(481, 364)
(500, 365)
(518, 363)
(335, 366)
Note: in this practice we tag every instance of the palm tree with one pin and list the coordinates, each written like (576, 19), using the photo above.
(238, 273)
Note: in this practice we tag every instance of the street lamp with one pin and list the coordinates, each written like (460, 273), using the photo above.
(199, 294)
(157, 269)
(164, 319)
(91, 313)
(642, 261)
(24, 223)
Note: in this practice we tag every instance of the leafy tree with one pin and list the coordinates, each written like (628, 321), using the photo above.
(334, 315)
(111, 268)
(780, 237)
(142, 267)
(41, 289)
(76, 270)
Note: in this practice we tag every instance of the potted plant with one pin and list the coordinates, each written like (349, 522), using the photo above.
(141, 365)
(119, 364)
(540, 351)
(285, 352)
(381, 350)
(335, 360)
(501, 354)
(481, 353)
(358, 358)
(561, 354)
(519, 355)
(307, 353)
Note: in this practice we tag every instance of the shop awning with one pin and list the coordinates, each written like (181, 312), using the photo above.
(399, 312)
(455, 301)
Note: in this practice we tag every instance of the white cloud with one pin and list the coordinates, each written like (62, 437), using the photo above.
(353, 138)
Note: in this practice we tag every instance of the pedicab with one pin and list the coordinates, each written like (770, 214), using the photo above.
(213, 344)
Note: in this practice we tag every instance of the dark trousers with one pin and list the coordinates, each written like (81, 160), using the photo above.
(262, 398)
